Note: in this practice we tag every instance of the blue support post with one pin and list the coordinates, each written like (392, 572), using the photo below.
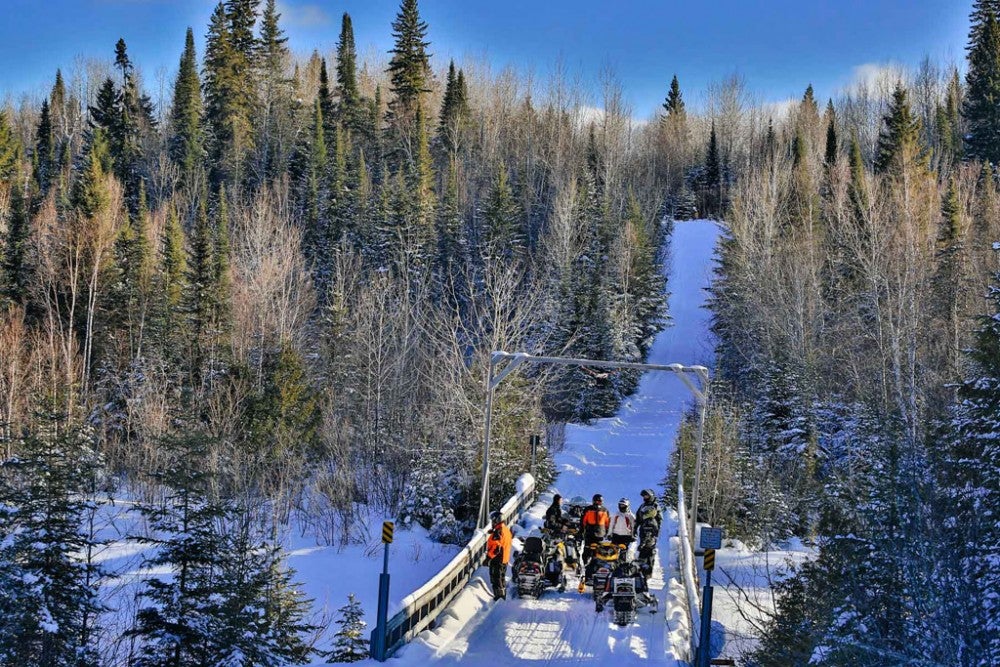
(379, 648)
(705, 641)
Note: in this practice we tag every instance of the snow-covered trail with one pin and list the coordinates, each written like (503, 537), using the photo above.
(617, 457)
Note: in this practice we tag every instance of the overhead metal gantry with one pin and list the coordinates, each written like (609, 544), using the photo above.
(502, 364)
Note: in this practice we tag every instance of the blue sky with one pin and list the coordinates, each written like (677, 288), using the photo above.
(779, 46)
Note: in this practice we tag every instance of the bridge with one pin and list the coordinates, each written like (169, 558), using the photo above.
(452, 618)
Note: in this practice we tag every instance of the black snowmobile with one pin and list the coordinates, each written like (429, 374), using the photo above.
(538, 566)
(627, 591)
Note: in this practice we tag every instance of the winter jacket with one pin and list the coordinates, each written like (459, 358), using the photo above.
(554, 517)
(499, 542)
(649, 512)
(623, 523)
(595, 522)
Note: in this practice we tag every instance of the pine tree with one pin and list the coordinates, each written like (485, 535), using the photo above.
(173, 275)
(712, 179)
(350, 643)
(186, 143)
(858, 190)
(971, 490)
(502, 218)
(673, 107)
(202, 298)
(454, 110)
(229, 87)
(899, 144)
(48, 577)
(981, 112)
(832, 147)
(349, 107)
(222, 273)
(409, 68)
(325, 97)
(44, 155)
(9, 148)
(274, 112)
(16, 271)
(949, 124)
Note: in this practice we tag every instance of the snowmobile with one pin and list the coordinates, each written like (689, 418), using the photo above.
(537, 567)
(627, 591)
(606, 556)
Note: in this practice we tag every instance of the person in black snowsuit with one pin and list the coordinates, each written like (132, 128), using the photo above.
(555, 523)
(648, 519)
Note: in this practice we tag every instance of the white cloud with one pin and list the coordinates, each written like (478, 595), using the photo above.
(779, 110)
(876, 76)
(303, 16)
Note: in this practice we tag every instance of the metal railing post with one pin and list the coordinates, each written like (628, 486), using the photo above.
(699, 441)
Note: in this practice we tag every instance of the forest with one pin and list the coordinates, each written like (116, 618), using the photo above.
(271, 302)
(856, 305)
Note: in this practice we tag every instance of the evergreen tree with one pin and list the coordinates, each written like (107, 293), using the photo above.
(949, 124)
(858, 189)
(674, 104)
(712, 178)
(832, 148)
(186, 141)
(16, 272)
(502, 217)
(325, 97)
(44, 155)
(104, 112)
(899, 145)
(971, 491)
(349, 107)
(350, 643)
(9, 148)
(274, 112)
(222, 273)
(48, 577)
(173, 275)
(454, 110)
(981, 112)
(229, 87)
(202, 298)
(409, 69)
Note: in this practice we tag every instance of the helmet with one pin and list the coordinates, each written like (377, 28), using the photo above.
(598, 498)
(556, 498)
(495, 516)
(623, 505)
(647, 494)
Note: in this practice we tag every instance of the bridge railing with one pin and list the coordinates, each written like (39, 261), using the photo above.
(688, 566)
(421, 607)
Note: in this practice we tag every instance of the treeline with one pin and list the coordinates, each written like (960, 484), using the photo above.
(274, 301)
(856, 398)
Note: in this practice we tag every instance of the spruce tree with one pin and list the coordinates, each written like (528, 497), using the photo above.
(9, 148)
(48, 577)
(409, 68)
(982, 114)
(899, 144)
(832, 148)
(173, 275)
(673, 107)
(454, 110)
(350, 643)
(273, 113)
(325, 97)
(229, 87)
(186, 142)
(44, 155)
(502, 218)
(971, 489)
(16, 271)
(712, 176)
(349, 107)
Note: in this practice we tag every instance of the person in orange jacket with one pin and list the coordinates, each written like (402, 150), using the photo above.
(595, 523)
(498, 546)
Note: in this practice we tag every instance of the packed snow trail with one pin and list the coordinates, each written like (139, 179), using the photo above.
(616, 457)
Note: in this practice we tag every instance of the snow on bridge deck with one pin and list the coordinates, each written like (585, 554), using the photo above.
(617, 457)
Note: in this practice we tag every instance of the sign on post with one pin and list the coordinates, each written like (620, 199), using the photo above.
(709, 563)
(711, 538)
(387, 529)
